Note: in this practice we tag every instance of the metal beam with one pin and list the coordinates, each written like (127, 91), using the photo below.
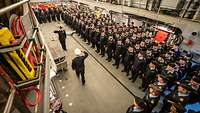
(31, 43)
(10, 101)
(12, 48)
(28, 83)
(40, 86)
(10, 7)
(46, 87)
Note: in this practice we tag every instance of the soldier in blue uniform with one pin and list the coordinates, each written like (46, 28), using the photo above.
(53, 14)
(149, 75)
(139, 106)
(152, 97)
(110, 46)
(62, 36)
(103, 42)
(128, 60)
(97, 39)
(138, 66)
(118, 53)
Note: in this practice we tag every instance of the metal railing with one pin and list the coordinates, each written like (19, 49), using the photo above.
(31, 44)
(39, 80)
(8, 8)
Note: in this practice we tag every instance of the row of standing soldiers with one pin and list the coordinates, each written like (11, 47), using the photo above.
(45, 15)
(168, 78)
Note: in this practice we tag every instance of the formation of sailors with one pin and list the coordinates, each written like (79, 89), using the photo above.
(169, 80)
(50, 14)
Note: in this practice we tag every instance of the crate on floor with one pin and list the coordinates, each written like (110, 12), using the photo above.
(59, 59)
(62, 66)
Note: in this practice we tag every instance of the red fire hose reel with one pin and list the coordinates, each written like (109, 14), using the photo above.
(22, 92)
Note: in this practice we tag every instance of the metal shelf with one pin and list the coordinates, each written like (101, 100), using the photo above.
(36, 80)
(39, 80)
(20, 44)
(13, 47)
(10, 101)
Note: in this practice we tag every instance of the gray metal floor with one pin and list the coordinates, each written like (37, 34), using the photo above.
(101, 93)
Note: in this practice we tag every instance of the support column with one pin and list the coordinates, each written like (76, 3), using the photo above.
(186, 8)
(196, 14)
(46, 100)
(160, 1)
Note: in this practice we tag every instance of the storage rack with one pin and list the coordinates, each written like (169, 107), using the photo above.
(43, 82)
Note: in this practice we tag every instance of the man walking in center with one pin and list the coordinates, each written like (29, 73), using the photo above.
(78, 63)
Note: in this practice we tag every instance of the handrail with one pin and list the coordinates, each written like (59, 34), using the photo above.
(40, 73)
(8, 8)
(42, 40)
(31, 43)
(46, 100)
